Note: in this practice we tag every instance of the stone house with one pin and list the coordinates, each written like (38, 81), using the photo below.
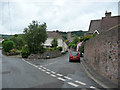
(51, 36)
(100, 25)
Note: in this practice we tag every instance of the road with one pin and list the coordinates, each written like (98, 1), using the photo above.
(52, 73)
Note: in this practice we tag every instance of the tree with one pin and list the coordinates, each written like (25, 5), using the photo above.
(75, 41)
(8, 45)
(35, 35)
(54, 42)
(19, 42)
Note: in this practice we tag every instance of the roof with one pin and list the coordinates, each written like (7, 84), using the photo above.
(103, 24)
(54, 34)
(95, 25)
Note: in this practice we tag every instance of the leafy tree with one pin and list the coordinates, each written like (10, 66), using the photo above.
(19, 42)
(8, 45)
(35, 35)
(76, 40)
(54, 42)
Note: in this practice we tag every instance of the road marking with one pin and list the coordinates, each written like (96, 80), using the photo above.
(53, 72)
(43, 70)
(59, 74)
(40, 68)
(80, 82)
(61, 79)
(75, 85)
(53, 75)
(49, 63)
(48, 72)
(92, 87)
(67, 77)
(43, 67)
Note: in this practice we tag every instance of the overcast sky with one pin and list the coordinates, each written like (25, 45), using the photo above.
(63, 15)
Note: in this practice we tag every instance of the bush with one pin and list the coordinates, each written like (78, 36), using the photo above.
(60, 48)
(25, 52)
(81, 48)
(42, 50)
(8, 45)
(74, 46)
(14, 52)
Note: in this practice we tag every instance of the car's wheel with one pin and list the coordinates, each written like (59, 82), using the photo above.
(69, 60)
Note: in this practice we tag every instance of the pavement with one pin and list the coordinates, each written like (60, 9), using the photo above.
(51, 73)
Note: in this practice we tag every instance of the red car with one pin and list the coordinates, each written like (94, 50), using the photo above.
(74, 56)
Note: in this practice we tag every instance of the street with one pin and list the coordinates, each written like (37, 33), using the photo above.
(52, 73)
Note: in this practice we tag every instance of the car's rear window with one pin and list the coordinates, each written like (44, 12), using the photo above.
(74, 54)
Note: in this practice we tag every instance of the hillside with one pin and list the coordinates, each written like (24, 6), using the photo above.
(73, 33)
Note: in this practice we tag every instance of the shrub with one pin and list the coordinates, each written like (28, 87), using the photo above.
(25, 52)
(51, 49)
(81, 48)
(14, 52)
(8, 45)
(60, 48)
(42, 50)
(74, 46)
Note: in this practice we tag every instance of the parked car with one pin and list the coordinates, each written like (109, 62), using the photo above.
(74, 56)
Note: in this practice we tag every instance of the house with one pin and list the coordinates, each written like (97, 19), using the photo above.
(69, 37)
(100, 25)
(1, 40)
(51, 36)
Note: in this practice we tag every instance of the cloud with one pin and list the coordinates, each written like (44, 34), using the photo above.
(64, 15)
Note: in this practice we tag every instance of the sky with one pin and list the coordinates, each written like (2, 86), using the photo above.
(62, 15)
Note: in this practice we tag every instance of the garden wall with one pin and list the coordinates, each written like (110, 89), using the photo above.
(101, 53)
(52, 54)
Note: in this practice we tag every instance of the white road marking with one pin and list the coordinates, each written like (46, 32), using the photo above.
(22, 59)
(40, 68)
(80, 82)
(43, 70)
(53, 75)
(53, 72)
(92, 87)
(49, 63)
(44, 67)
(75, 85)
(59, 74)
(67, 77)
(61, 79)
(35, 66)
(48, 72)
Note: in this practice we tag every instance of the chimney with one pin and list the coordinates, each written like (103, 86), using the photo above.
(107, 14)
(57, 31)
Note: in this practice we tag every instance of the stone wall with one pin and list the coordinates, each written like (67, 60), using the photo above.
(101, 53)
(52, 54)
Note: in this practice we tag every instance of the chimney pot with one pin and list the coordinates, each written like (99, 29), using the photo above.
(107, 14)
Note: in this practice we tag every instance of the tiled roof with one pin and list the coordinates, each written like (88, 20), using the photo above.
(103, 24)
(95, 25)
(54, 34)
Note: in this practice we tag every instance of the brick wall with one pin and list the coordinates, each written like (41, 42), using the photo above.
(101, 53)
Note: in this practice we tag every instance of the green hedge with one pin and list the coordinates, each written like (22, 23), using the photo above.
(25, 52)
(8, 45)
